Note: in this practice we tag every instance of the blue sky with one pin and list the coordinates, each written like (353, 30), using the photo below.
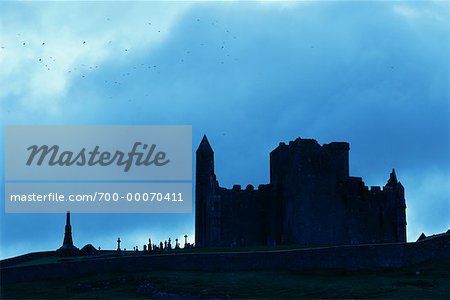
(249, 75)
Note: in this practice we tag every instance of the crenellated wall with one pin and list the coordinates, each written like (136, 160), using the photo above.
(244, 215)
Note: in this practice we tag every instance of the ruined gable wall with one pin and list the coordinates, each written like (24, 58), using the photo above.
(373, 213)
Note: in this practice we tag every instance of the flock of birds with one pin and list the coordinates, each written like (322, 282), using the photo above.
(218, 53)
(120, 78)
(83, 69)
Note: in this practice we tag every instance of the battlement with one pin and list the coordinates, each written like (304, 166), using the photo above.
(337, 146)
(237, 187)
(375, 189)
(306, 157)
(248, 188)
(295, 143)
(312, 143)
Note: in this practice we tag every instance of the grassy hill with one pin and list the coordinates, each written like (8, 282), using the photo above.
(426, 280)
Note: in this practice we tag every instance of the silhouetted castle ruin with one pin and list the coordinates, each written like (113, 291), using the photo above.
(310, 200)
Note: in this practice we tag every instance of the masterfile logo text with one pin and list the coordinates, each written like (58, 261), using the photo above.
(54, 157)
(126, 167)
(98, 152)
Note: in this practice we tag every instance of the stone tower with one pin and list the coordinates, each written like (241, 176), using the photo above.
(307, 174)
(398, 199)
(204, 185)
(68, 248)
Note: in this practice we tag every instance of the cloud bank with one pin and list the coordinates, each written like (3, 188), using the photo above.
(249, 75)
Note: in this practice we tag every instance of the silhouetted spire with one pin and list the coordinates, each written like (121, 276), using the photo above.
(68, 218)
(205, 146)
(421, 237)
(393, 176)
(392, 179)
(68, 231)
(68, 248)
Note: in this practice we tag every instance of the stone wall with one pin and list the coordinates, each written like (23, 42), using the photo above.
(244, 216)
(353, 257)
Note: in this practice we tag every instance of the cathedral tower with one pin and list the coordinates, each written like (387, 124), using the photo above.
(204, 184)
